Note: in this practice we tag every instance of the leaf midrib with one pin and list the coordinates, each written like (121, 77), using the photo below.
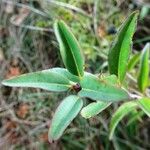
(67, 85)
(122, 43)
(71, 53)
(63, 120)
(95, 91)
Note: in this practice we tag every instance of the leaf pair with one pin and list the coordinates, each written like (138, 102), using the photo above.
(59, 79)
(119, 53)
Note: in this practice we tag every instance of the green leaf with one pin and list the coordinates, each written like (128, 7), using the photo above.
(65, 113)
(144, 104)
(93, 109)
(120, 50)
(46, 79)
(69, 49)
(133, 61)
(143, 77)
(99, 90)
(64, 72)
(111, 79)
(123, 110)
(135, 116)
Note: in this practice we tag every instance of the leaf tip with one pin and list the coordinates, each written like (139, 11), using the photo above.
(82, 113)
(4, 82)
(135, 13)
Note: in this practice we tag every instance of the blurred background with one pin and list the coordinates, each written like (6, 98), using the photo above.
(28, 44)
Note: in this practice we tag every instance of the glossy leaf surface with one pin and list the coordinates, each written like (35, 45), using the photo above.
(69, 49)
(93, 109)
(46, 79)
(123, 110)
(120, 50)
(65, 113)
(143, 78)
(94, 88)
